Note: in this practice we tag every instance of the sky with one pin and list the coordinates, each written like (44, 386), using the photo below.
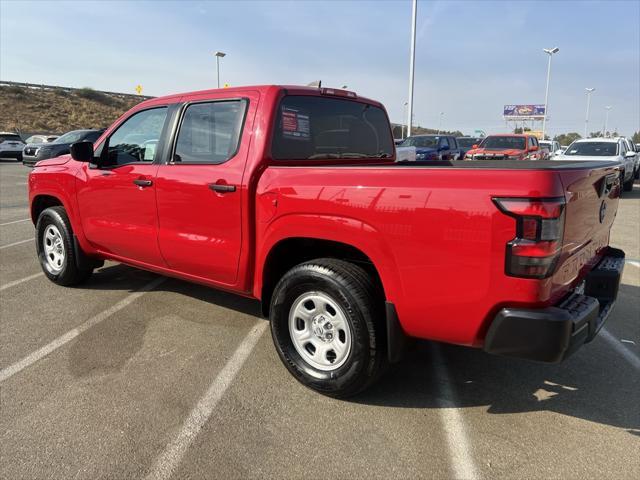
(472, 57)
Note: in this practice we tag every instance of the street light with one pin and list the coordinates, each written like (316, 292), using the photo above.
(550, 52)
(219, 55)
(606, 120)
(405, 114)
(586, 120)
(440, 122)
(412, 63)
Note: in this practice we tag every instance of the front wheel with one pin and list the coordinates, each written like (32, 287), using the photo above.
(628, 185)
(326, 324)
(54, 244)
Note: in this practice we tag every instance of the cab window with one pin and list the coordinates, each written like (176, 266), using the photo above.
(136, 139)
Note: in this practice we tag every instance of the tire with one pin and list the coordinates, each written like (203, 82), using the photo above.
(344, 351)
(628, 185)
(55, 247)
(637, 174)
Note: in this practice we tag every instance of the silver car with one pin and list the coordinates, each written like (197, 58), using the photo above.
(613, 149)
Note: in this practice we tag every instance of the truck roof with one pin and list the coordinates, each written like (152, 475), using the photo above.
(263, 89)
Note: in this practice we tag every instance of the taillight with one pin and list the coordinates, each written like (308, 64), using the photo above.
(534, 252)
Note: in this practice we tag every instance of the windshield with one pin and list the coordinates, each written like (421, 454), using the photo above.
(71, 137)
(593, 149)
(422, 141)
(10, 137)
(467, 142)
(545, 144)
(310, 127)
(504, 143)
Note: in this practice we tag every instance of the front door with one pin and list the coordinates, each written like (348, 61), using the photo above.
(117, 200)
(200, 190)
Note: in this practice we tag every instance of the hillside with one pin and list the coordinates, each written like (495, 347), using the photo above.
(55, 110)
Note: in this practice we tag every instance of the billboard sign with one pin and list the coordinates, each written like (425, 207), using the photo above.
(523, 111)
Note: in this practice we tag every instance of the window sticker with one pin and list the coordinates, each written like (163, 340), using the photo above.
(295, 124)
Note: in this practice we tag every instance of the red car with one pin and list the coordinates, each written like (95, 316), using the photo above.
(508, 147)
(290, 195)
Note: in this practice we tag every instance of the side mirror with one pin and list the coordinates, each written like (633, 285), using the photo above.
(559, 151)
(82, 151)
(474, 146)
(534, 148)
(630, 154)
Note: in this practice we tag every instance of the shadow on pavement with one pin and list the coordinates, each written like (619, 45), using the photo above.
(595, 384)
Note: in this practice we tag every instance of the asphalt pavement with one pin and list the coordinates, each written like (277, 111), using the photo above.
(134, 375)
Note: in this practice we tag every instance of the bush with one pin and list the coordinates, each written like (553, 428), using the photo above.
(91, 94)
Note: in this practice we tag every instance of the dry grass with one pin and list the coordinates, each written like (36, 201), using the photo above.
(25, 109)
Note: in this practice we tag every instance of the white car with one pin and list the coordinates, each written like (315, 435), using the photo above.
(11, 145)
(613, 149)
(632, 147)
(553, 147)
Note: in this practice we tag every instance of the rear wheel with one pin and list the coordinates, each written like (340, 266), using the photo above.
(54, 244)
(326, 323)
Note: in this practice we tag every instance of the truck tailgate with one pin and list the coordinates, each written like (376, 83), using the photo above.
(591, 205)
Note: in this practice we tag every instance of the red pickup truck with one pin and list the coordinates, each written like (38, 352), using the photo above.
(511, 146)
(291, 195)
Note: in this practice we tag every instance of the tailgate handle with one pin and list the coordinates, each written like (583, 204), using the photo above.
(609, 182)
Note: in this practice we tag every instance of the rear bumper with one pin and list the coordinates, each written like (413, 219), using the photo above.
(13, 155)
(552, 334)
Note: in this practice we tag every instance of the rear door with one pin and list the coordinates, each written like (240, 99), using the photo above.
(200, 189)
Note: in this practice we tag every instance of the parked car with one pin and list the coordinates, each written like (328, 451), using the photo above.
(35, 152)
(434, 147)
(11, 145)
(40, 139)
(465, 144)
(291, 195)
(604, 149)
(507, 147)
(551, 146)
(631, 147)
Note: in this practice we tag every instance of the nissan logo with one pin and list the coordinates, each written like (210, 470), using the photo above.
(603, 211)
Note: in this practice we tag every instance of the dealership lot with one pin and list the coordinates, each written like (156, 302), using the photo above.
(136, 375)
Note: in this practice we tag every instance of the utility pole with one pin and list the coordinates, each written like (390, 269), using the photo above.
(586, 119)
(412, 62)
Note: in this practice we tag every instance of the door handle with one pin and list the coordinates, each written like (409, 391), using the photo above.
(143, 183)
(222, 187)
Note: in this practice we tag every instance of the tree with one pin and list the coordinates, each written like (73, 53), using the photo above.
(636, 137)
(568, 138)
(521, 130)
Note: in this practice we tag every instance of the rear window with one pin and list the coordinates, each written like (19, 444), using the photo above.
(467, 142)
(499, 143)
(309, 128)
(10, 138)
(593, 149)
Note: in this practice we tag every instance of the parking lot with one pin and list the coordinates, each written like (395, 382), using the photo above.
(134, 375)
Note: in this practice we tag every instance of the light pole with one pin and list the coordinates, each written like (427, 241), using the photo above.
(219, 55)
(586, 119)
(405, 115)
(550, 52)
(440, 122)
(606, 120)
(412, 63)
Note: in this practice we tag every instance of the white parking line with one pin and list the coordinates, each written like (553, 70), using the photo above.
(633, 262)
(18, 282)
(15, 221)
(16, 243)
(627, 354)
(172, 455)
(460, 454)
(32, 358)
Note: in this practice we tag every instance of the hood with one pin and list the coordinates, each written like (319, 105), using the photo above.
(509, 151)
(587, 157)
(61, 160)
(38, 145)
(425, 150)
